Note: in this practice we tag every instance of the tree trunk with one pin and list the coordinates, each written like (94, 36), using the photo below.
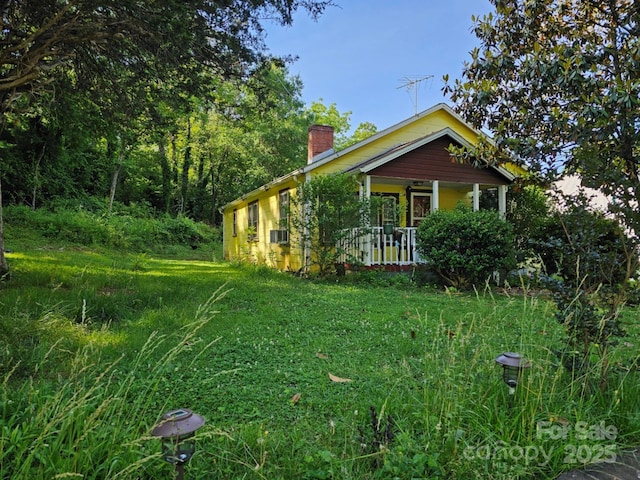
(186, 166)
(4, 266)
(36, 178)
(174, 160)
(213, 196)
(114, 180)
(166, 174)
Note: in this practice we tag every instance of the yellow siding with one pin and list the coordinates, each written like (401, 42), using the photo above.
(282, 257)
(449, 198)
(429, 124)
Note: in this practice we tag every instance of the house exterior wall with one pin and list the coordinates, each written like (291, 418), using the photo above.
(455, 185)
(260, 250)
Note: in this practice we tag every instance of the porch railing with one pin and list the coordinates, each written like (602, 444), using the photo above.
(377, 248)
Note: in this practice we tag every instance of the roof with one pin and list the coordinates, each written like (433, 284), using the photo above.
(380, 158)
(331, 155)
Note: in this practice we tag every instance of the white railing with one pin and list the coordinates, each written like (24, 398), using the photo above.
(377, 248)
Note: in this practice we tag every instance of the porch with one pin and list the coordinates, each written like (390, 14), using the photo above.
(377, 248)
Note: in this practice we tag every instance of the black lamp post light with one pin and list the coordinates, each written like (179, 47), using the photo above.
(177, 433)
(513, 365)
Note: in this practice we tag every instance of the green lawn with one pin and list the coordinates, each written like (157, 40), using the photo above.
(98, 344)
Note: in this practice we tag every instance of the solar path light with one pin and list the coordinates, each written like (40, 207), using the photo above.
(177, 433)
(513, 365)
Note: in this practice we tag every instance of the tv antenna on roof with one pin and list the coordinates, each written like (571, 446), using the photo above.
(412, 82)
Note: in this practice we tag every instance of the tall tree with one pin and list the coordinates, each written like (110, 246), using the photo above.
(558, 83)
(42, 39)
(341, 122)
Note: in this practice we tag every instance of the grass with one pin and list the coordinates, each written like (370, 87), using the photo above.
(97, 344)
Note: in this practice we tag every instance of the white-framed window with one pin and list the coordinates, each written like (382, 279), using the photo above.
(388, 212)
(252, 215)
(389, 209)
(283, 209)
(421, 205)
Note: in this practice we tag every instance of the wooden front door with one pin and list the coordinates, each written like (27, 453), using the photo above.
(420, 207)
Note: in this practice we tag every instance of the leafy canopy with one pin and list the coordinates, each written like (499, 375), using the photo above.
(558, 83)
(130, 57)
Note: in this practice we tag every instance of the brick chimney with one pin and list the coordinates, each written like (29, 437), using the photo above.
(320, 140)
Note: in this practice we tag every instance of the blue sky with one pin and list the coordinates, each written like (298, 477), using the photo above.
(360, 54)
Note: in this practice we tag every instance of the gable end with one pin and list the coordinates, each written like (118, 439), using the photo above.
(432, 161)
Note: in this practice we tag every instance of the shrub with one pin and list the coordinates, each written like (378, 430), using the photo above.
(584, 247)
(464, 247)
(592, 261)
(328, 218)
(181, 230)
(527, 212)
(121, 229)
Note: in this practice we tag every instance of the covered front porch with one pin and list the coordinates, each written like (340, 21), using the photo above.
(404, 204)
(410, 181)
(379, 248)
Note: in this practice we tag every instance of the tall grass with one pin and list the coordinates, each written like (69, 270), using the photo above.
(92, 421)
(119, 229)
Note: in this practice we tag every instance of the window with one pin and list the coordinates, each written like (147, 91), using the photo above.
(489, 199)
(283, 210)
(281, 235)
(234, 226)
(252, 231)
(388, 213)
(420, 207)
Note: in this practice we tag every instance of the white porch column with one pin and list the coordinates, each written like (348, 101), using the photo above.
(502, 201)
(476, 197)
(435, 197)
(366, 248)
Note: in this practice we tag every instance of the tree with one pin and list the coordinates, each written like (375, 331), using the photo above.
(558, 83)
(323, 115)
(362, 132)
(587, 260)
(328, 218)
(247, 134)
(4, 265)
(44, 39)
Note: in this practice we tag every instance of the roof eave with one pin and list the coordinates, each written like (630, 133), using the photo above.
(265, 187)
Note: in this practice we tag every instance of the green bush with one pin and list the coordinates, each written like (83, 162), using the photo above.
(465, 247)
(589, 261)
(122, 229)
(527, 212)
(584, 247)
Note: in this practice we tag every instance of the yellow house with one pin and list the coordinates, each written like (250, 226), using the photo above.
(407, 164)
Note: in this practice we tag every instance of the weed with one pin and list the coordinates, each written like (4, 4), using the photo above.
(379, 435)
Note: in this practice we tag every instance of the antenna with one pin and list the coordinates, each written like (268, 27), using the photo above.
(412, 82)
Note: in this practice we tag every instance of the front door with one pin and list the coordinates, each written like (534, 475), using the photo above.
(420, 207)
